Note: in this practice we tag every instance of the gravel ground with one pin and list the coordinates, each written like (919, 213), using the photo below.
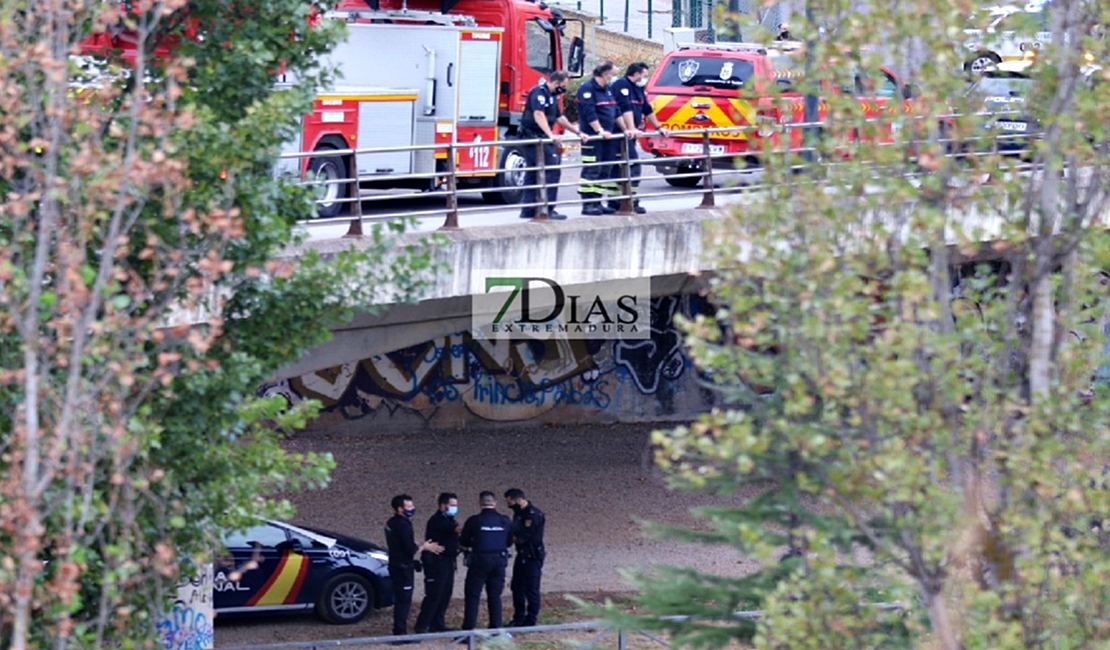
(590, 481)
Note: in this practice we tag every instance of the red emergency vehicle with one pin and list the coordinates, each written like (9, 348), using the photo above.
(438, 85)
(747, 85)
(537, 40)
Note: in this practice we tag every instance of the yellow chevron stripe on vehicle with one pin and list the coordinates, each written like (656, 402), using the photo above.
(288, 575)
(678, 114)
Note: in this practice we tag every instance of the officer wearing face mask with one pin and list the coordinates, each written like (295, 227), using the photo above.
(541, 114)
(634, 108)
(403, 551)
(528, 523)
(439, 569)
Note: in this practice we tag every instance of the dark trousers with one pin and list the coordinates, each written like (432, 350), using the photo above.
(486, 571)
(401, 575)
(551, 176)
(439, 582)
(597, 157)
(633, 171)
(526, 590)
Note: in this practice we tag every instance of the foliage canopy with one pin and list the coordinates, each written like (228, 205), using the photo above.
(144, 300)
(930, 316)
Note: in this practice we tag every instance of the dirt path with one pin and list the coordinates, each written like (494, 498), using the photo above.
(590, 481)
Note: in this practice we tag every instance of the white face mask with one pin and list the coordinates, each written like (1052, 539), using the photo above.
(641, 83)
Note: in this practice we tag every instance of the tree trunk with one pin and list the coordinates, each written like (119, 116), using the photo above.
(941, 622)
(1043, 328)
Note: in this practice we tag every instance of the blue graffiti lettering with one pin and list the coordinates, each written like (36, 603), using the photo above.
(488, 390)
(185, 628)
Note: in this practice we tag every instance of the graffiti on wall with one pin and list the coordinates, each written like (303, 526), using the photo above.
(503, 380)
(188, 624)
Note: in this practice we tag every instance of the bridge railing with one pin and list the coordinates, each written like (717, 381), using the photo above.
(602, 634)
(706, 164)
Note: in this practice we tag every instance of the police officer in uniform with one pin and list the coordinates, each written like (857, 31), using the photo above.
(403, 551)
(597, 115)
(528, 523)
(485, 540)
(634, 108)
(541, 113)
(439, 569)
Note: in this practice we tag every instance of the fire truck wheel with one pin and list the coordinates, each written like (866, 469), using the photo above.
(509, 181)
(328, 173)
(682, 180)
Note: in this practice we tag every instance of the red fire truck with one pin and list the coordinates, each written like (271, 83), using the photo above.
(537, 39)
(459, 74)
(438, 85)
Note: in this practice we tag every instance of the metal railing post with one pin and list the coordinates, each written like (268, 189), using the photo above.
(708, 199)
(452, 220)
(626, 182)
(541, 179)
(355, 229)
(622, 639)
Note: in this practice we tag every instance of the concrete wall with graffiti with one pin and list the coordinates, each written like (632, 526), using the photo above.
(188, 624)
(460, 380)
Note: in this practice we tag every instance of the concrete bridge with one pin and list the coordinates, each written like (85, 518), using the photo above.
(419, 365)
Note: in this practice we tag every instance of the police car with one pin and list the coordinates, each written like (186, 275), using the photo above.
(279, 567)
(1007, 113)
(1004, 91)
(1007, 33)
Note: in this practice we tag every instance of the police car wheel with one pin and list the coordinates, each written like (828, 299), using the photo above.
(328, 175)
(346, 598)
(981, 62)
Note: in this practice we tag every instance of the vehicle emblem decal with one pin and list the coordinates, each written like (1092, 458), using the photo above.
(687, 69)
(337, 553)
(726, 71)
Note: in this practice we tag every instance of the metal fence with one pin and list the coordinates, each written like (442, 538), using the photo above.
(603, 633)
(716, 171)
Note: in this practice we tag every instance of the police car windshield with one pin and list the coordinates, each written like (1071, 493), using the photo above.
(705, 71)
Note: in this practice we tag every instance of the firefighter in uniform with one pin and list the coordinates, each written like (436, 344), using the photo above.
(439, 569)
(485, 541)
(528, 523)
(597, 115)
(635, 108)
(403, 551)
(541, 113)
